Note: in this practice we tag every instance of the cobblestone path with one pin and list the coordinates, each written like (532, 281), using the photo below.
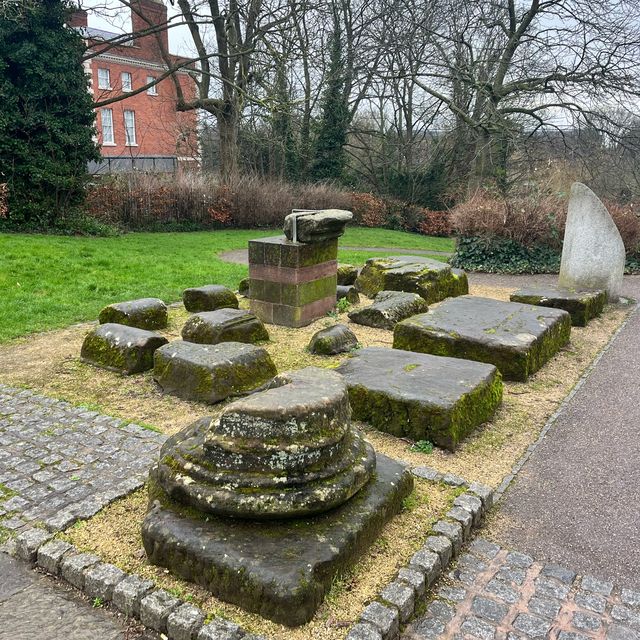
(59, 463)
(496, 594)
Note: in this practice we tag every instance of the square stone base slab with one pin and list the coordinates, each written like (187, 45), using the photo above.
(421, 396)
(281, 570)
(516, 338)
(582, 306)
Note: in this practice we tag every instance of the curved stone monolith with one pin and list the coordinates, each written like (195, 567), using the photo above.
(593, 254)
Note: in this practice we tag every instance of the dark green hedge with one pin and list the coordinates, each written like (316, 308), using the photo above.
(502, 255)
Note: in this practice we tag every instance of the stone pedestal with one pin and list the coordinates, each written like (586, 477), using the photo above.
(292, 283)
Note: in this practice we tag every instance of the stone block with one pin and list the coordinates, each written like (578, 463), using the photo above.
(101, 579)
(451, 530)
(484, 492)
(279, 252)
(347, 274)
(364, 631)
(428, 563)
(593, 253)
(385, 619)
(185, 622)
(219, 629)
(517, 338)
(120, 348)
(414, 578)
(28, 543)
(243, 287)
(282, 560)
(442, 546)
(224, 325)
(582, 306)
(156, 608)
(211, 373)
(400, 596)
(50, 555)
(73, 567)
(291, 316)
(427, 473)
(128, 594)
(472, 504)
(430, 279)
(421, 396)
(146, 313)
(316, 226)
(389, 308)
(349, 292)
(209, 298)
(332, 340)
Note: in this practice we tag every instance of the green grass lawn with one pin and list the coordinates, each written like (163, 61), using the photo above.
(47, 282)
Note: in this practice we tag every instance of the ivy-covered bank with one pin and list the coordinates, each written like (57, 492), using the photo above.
(503, 255)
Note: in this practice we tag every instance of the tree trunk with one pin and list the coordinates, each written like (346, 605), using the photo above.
(229, 152)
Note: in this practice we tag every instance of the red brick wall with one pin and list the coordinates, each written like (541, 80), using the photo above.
(160, 129)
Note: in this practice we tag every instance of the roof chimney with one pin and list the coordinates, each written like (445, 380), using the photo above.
(146, 14)
(78, 18)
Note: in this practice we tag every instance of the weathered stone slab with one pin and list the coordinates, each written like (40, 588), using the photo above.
(347, 274)
(593, 254)
(209, 298)
(146, 313)
(224, 325)
(581, 305)
(286, 452)
(423, 397)
(280, 570)
(516, 338)
(349, 292)
(389, 308)
(211, 373)
(316, 226)
(336, 339)
(121, 348)
(430, 279)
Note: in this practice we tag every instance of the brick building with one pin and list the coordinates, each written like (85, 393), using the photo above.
(144, 130)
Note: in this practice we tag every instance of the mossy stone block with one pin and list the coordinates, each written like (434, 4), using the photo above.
(421, 396)
(280, 252)
(211, 373)
(145, 313)
(349, 292)
(389, 308)
(347, 274)
(280, 569)
(430, 279)
(224, 325)
(121, 348)
(582, 306)
(516, 338)
(332, 340)
(209, 298)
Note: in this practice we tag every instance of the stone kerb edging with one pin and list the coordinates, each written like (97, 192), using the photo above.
(130, 594)
(157, 609)
(397, 602)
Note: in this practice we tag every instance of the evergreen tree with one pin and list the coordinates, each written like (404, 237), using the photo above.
(329, 156)
(46, 115)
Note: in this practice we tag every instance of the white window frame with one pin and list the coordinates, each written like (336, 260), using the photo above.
(107, 114)
(153, 89)
(126, 86)
(130, 140)
(101, 84)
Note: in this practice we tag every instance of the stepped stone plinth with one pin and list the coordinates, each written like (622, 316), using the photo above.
(516, 338)
(289, 459)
